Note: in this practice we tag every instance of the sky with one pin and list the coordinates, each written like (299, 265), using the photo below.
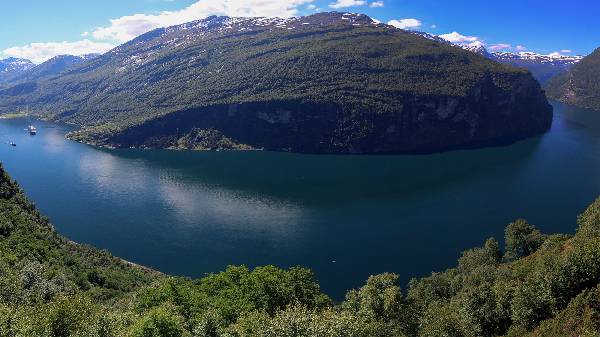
(40, 29)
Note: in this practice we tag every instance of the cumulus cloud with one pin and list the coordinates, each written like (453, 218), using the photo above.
(377, 4)
(347, 3)
(521, 48)
(128, 27)
(456, 37)
(125, 28)
(405, 23)
(40, 52)
(500, 46)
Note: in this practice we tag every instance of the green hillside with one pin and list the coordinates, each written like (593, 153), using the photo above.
(579, 86)
(330, 82)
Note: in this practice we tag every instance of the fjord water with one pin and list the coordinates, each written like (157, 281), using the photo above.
(345, 217)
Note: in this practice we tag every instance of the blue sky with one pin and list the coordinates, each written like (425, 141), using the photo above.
(39, 29)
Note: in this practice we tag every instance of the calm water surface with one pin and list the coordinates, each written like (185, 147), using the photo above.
(346, 217)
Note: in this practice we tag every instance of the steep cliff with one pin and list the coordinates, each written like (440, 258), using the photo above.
(488, 115)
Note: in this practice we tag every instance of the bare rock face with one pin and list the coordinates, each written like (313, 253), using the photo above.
(489, 115)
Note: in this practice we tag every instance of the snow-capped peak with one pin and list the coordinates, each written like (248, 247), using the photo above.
(13, 64)
(542, 58)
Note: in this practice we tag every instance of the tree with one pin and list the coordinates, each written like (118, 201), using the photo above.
(159, 322)
(488, 255)
(589, 222)
(379, 299)
(442, 320)
(521, 239)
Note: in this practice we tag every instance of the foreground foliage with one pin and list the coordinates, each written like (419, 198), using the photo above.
(539, 285)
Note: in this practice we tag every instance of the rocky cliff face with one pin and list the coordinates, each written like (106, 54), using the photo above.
(488, 115)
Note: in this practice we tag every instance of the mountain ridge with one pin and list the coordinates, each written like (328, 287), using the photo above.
(53, 67)
(326, 83)
(12, 67)
(543, 67)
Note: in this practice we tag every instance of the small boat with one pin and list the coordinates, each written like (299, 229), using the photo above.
(32, 130)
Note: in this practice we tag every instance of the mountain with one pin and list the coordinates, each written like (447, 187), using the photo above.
(52, 67)
(480, 49)
(326, 83)
(538, 285)
(580, 85)
(11, 68)
(543, 67)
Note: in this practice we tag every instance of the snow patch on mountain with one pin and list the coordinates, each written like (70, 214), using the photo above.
(13, 64)
(531, 56)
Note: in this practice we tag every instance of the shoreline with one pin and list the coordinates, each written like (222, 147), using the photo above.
(15, 115)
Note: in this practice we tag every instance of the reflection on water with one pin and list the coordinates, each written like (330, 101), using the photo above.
(191, 213)
(193, 204)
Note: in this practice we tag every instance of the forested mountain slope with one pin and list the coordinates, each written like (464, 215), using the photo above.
(326, 83)
(580, 86)
(538, 285)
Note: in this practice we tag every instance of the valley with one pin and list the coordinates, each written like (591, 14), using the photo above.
(271, 169)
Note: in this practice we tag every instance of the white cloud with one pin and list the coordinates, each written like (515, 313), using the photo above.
(405, 23)
(128, 27)
(521, 48)
(456, 37)
(377, 4)
(40, 52)
(347, 3)
(566, 51)
(500, 46)
(433, 26)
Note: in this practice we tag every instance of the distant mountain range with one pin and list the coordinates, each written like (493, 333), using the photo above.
(11, 68)
(326, 83)
(14, 70)
(580, 85)
(543, 67)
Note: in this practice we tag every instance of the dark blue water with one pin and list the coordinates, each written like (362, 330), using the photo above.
(191, 213)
